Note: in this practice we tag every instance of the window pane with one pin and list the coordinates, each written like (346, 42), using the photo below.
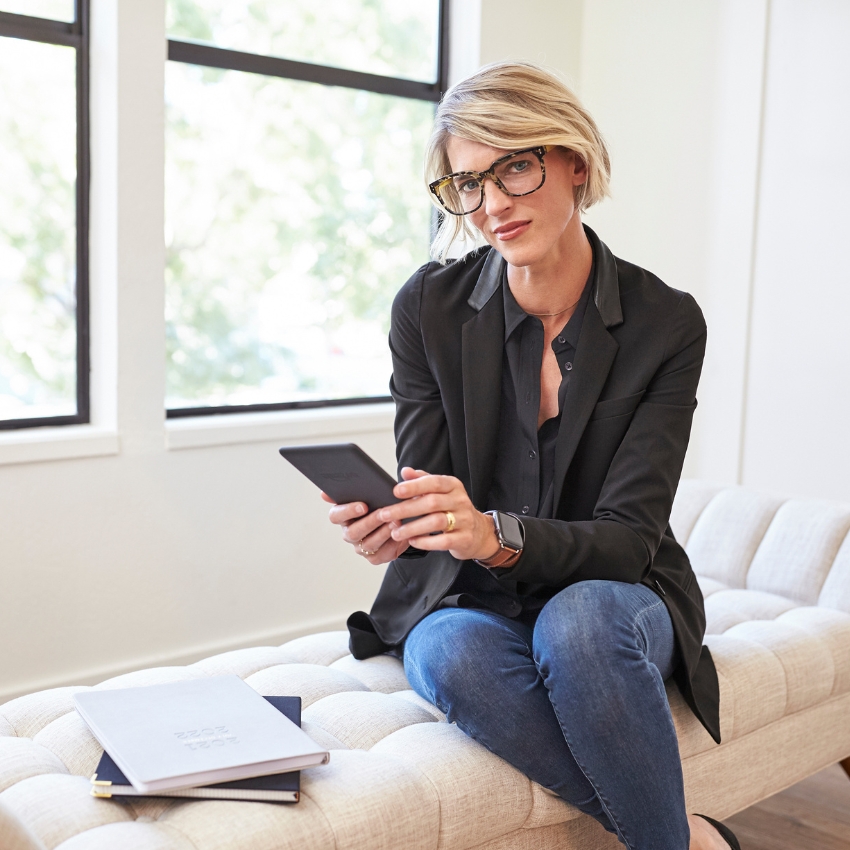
(293, 214)
(58, 10)
(37, 230)
(397, 38)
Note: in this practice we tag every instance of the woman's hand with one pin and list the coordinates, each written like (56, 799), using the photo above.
(369, 535)
(434, 499)
(380, 536)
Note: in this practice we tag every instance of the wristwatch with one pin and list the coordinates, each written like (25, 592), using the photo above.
(511, 536)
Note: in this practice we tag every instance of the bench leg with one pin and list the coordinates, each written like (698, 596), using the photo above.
(846, 765)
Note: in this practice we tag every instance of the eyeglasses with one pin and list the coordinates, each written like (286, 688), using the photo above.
(516, 174)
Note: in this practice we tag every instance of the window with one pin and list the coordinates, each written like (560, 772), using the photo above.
(295, 206)
(44, 354)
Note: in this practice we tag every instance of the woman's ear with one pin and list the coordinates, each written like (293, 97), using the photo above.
(579, 170)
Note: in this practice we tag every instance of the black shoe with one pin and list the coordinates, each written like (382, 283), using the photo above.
(725, 832)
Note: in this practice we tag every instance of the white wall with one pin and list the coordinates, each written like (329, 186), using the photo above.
(798, 404)
(132, 542)
(547, 32)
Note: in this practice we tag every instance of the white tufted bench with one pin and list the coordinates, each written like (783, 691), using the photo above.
(776, 576)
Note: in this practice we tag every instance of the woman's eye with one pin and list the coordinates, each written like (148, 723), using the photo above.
(468, 186)
(519, 166)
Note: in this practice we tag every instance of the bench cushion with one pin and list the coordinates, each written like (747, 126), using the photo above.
(775, 574)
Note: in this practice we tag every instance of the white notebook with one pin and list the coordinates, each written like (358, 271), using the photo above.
(198, 732)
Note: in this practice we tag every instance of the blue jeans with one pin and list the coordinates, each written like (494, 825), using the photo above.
(575, 701)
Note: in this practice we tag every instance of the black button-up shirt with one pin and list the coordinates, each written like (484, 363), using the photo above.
(523, 476)
(525, 464)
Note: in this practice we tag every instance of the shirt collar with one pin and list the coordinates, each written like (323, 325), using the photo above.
(515, 315)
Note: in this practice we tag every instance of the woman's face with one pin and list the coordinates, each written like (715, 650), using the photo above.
(527, 229)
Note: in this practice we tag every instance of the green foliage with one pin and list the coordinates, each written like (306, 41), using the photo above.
(187, 20)
(392, 37)
(37, 230)
(294, 213)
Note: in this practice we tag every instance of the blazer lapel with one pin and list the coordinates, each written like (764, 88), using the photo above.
(483, 340)
(594, 356)
(593, 360)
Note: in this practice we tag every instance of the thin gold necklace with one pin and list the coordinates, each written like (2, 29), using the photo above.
(543, 315)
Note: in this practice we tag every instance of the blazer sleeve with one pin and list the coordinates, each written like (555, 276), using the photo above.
(421, 431)
(633, 508)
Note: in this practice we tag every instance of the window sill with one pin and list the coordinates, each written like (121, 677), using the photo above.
(279, 426)
(61, 443)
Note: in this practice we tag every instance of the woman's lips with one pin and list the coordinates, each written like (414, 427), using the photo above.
(511, 230)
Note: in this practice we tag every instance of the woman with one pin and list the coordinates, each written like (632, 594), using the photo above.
(544, 393)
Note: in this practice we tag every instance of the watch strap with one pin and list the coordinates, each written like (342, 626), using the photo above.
(505, 556)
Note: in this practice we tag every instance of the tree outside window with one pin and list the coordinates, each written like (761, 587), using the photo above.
(294, 200)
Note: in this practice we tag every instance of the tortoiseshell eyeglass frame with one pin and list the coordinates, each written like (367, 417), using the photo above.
(539, 151)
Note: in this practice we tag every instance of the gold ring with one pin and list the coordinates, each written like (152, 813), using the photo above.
(450, 522)
(365, 551)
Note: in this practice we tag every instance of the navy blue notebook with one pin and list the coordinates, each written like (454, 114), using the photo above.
(109, 781)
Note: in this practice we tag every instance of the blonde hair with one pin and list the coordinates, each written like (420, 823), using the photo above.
(514, 105)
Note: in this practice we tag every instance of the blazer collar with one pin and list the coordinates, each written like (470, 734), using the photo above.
(488, 280)
(606, 295)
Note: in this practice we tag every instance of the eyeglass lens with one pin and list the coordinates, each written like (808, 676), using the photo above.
(518, 175)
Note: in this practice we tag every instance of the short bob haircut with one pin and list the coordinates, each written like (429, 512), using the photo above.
(511, 106)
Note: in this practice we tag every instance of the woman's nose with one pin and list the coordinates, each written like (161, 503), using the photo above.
(495, 200)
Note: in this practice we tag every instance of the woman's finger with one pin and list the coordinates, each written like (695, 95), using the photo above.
(427, 484)
(386, 553)
(377, 552)
(438, 542)
(354, 532)
(408, 473)
(342, 514)
(431, 523)
(420, 506)
(372, 543)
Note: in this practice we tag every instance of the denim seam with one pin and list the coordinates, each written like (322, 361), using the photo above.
(658, 682)
(640, 616)
(604, 803)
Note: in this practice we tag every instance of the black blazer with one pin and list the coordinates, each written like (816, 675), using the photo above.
(619, 455)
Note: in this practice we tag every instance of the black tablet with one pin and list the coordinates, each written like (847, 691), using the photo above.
(345, 472)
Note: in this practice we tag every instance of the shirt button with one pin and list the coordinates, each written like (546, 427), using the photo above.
(525, 509)
(532, 454)
(561, 340)
(568, 366)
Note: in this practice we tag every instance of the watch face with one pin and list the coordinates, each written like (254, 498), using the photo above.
(511, 530)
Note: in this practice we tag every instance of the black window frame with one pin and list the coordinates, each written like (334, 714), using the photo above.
(68, 34)
(193, 53)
